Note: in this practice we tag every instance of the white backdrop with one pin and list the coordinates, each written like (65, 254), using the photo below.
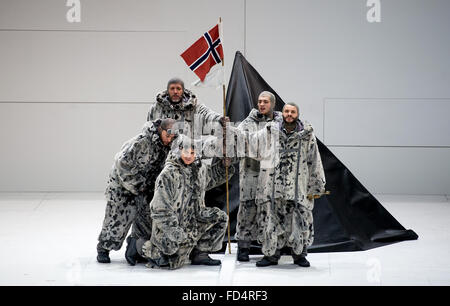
(377, 94)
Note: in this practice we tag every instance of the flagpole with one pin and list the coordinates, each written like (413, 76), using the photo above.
(226, 166)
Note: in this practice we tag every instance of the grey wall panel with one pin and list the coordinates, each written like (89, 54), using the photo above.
(119, 52)
(63, 146)
(387, 122)
(124, 51)
(86, 66)
(70, 84)
(311, 50)
(119, 15)
(399, 170)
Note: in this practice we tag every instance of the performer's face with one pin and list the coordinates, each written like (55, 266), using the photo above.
(188, 156)
(264, 105)
(166, 138)
(290, 113)
(175, 92)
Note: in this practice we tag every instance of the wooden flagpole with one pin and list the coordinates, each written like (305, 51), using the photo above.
(226, 166)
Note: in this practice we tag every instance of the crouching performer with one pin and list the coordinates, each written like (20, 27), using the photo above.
(183, 227)
(130, 187)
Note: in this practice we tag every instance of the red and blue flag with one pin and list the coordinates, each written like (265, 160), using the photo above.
(206, 52)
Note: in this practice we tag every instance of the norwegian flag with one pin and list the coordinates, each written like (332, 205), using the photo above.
(206, 52)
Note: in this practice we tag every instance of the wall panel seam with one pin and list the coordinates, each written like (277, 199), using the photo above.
(94, 31)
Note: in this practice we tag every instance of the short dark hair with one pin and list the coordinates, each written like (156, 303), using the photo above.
(175, 81)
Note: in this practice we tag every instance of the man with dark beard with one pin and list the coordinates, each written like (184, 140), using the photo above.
(286, 200)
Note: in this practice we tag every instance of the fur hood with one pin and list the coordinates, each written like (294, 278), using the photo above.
(188, 100)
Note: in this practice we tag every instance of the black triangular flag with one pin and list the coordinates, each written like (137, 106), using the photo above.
(349, 219)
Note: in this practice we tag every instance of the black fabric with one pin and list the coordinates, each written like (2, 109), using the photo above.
(349, 219)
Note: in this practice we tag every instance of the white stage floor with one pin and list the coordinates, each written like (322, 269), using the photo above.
(50, 239)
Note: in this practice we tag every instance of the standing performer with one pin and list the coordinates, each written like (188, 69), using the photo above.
(130, 186)
(287, 197)
(246, 228)
(183, 227)
(181, 104)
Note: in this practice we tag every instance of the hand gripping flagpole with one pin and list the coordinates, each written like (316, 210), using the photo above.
(225, 152)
